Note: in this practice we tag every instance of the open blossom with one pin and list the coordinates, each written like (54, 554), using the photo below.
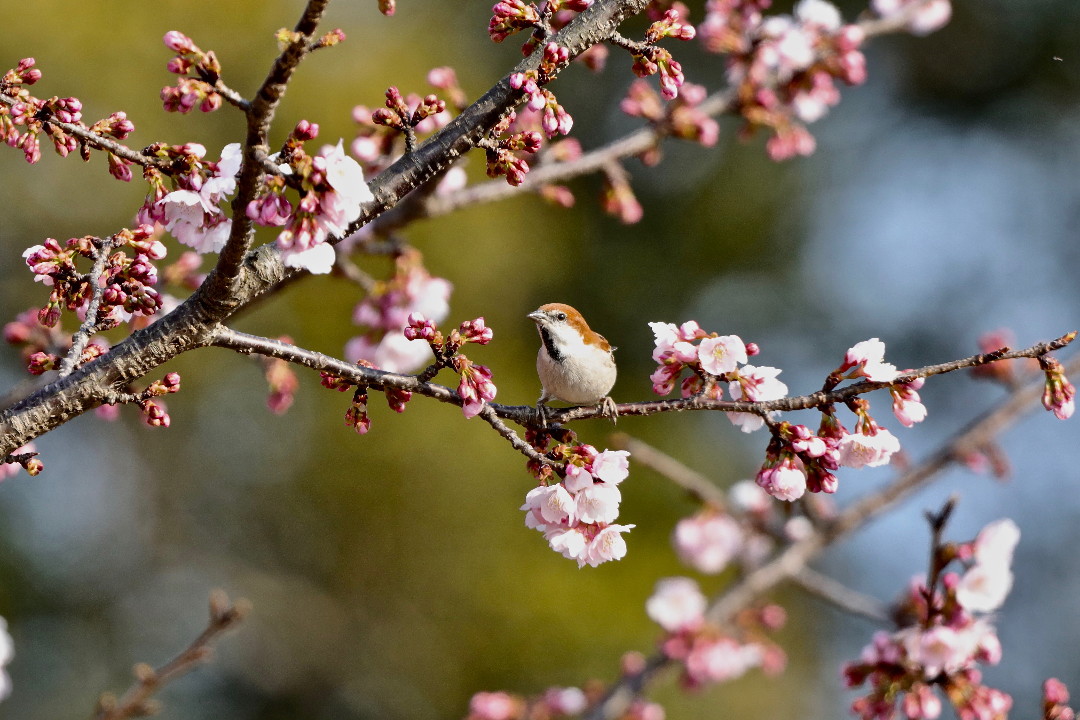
(784, 481)
(722, 354)
(923, 17)
(754, 384)
(867, 359)
(611, 466)
(325, 212)
(721, 659)
(677, 604)
(386, 314)
(707, 541)
(577, 515)
(984, 587)
(194, 217)
(861, 450)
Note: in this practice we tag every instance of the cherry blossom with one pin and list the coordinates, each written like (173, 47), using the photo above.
(677, 604)
(708, 541)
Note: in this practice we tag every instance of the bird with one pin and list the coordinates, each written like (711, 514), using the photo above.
(575, 364)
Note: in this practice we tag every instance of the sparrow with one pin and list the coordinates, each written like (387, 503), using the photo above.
(575, 364)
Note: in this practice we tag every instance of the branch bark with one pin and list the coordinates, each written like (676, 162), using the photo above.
(234, 283)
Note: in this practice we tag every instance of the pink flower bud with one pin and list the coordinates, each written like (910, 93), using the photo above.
(178, 42)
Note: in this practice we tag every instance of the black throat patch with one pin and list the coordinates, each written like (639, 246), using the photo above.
(549, 342)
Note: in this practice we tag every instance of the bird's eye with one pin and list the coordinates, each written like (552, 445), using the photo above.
(560, 316)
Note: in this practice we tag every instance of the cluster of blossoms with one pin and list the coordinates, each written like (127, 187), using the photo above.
(199, 73)
(475, 388)
(651, 60)
(332, 193)
(714, 359)
(356, 416)
(379, 132)
(707, 653)
(945, 639)
(191, 212)
(554, 118)
(36, 116)
(577, 513)
(797, 459)
(126, 284)
(385, 312)
(555, 702)
(681, 118)
(396, 114)
(512, 16)
(784, 67)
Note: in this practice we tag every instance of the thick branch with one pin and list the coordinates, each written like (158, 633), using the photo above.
(234, 284)
(220, 286)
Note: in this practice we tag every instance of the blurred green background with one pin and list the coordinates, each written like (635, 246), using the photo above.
(391, 574)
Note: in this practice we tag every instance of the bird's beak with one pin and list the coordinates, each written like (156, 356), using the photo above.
(535, 316)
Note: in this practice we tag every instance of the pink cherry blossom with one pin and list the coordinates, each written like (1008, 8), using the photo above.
(860, 450)
(494, 706)
(923, 17)
(598, 503)
(868, 360)
(708, 541)
(721, 659)
(786, 481)
(984, 588)
(677, 604)
(754, 384)
(611, 466)
(607, 544)
(722, 354)
(571, 543)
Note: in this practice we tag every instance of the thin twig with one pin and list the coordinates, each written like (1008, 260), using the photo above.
(795, 557)
(818, 399)
(82, 336)
(700, 487)
(138, 701)
(840, 595)
(99, 141)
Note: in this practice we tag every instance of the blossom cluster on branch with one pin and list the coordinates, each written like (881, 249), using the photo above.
(783, 73)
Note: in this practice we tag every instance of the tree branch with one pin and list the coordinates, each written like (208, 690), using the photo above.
(234, 284)
(795, 557)
(138, 700)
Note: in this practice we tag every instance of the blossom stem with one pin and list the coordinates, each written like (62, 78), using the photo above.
(89, 325)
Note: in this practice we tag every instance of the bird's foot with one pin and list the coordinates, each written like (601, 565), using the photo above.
(542, 412)
(609, 409)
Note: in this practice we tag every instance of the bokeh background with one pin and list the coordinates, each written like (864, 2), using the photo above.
(391, 574)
